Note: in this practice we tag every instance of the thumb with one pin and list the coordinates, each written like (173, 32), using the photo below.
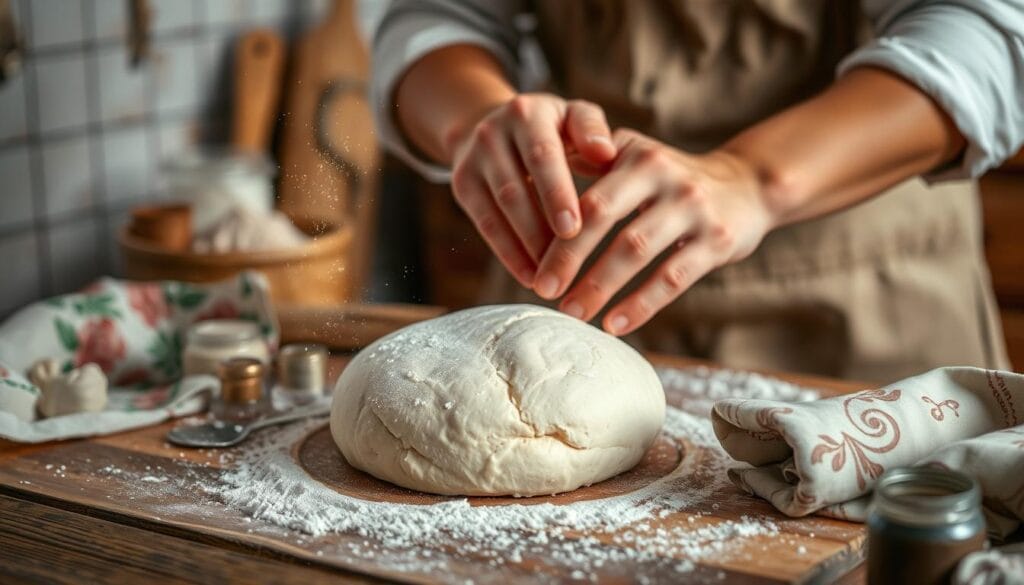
(588, 131)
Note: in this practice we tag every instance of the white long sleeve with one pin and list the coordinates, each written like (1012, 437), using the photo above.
(412, 28)
(968, 55)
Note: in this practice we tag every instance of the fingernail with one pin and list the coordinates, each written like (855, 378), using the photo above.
(573, 309)
(527, 276)
(547, 286)
(599, 139)
(565, 223)
(617, 324)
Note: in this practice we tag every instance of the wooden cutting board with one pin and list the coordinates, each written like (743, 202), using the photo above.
(328, 151)
(100, 476)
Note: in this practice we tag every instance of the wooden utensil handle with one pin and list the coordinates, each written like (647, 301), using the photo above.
(349, 326)
(259, 60)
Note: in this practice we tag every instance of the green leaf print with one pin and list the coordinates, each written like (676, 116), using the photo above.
(66, 334)
(246, 287)
(99, 304)
(166, 353)
(184, 295)
(30, 388)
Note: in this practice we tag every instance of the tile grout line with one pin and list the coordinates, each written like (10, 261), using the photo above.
(96, 153)
(39, 196)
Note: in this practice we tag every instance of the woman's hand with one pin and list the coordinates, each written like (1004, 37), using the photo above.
(511, 174)
(709, 209)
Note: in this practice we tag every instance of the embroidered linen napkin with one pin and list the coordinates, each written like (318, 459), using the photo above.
(134, 331)
(823, 455)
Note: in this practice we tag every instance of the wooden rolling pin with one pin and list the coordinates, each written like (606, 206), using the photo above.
(349, 326)
(259, 61)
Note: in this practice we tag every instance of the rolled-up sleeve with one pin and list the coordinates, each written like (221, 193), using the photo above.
(412, 28)
(969, 57)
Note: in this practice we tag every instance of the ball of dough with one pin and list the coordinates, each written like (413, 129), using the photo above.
(498, 400)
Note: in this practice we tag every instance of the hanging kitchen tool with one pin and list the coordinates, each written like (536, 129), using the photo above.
(328, 151)
(259, 61)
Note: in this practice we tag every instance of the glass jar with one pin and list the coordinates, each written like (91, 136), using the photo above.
(208, 343)
(922, 521)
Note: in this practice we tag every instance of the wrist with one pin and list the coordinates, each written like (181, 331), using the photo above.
(776, 188)
(458, 130)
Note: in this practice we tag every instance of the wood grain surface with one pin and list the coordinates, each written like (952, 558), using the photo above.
(81, 505)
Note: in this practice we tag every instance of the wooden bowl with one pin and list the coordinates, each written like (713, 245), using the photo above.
(167, 226)
(316, 273)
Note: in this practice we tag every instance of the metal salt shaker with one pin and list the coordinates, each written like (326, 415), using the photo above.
(302, 371)
(921, 523)
(241, 390)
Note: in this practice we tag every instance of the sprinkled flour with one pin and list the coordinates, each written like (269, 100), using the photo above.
(266, 484)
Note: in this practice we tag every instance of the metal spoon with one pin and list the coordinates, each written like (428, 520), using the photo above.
(226, 434)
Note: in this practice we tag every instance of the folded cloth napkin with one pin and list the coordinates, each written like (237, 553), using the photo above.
(991, 567)
(134, 331)
(824, 455)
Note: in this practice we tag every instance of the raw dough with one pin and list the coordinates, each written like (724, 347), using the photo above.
(83, 389)
(498, 400)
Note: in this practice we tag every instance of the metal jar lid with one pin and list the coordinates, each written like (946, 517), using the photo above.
(241, 380)
(302, 366)
(927, 496)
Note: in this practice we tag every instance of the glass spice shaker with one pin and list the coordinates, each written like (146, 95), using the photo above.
(302, 372)
(921, 523)
(241, 390)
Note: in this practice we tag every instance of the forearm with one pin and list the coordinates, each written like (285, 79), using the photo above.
(443, 94)
(868, 131)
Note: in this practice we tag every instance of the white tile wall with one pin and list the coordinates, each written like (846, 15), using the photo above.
(225, 13)
(110, 19)
(174, 15)
(22, 281)
(67, 175)
(122, 88)
(12, 104)
(15, 188)
(55, 22)
(177, 84)
(82, 135)
(127, 165)
(60, 92)
(74, 254)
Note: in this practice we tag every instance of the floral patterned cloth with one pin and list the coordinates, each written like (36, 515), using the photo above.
(826, 454)
(134, 332)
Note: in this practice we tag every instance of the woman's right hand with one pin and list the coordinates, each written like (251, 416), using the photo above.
(512, 173)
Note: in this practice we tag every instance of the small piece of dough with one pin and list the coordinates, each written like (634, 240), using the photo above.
(81, 390)
(499, 400)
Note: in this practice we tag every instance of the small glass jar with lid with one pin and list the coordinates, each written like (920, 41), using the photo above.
(922, 522)
(208, 343)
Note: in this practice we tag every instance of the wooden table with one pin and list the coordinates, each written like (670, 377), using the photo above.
(71, 525)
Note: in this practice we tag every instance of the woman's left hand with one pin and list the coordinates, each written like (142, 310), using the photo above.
(710, 208)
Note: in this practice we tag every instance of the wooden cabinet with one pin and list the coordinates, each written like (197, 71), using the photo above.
(1002, 198)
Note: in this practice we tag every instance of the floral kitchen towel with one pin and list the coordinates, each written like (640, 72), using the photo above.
(134, 331)
(823, 455)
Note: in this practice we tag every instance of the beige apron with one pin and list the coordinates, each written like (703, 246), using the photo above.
(881, 291)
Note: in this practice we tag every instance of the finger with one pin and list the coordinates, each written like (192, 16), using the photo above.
(606, 202)
(515, 199)
(471, 194)
(635, 246)
(671, 279)
(584, 168)
(588, 131)
(540, 145)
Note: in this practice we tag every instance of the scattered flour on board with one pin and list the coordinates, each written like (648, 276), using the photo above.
(267, 485)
